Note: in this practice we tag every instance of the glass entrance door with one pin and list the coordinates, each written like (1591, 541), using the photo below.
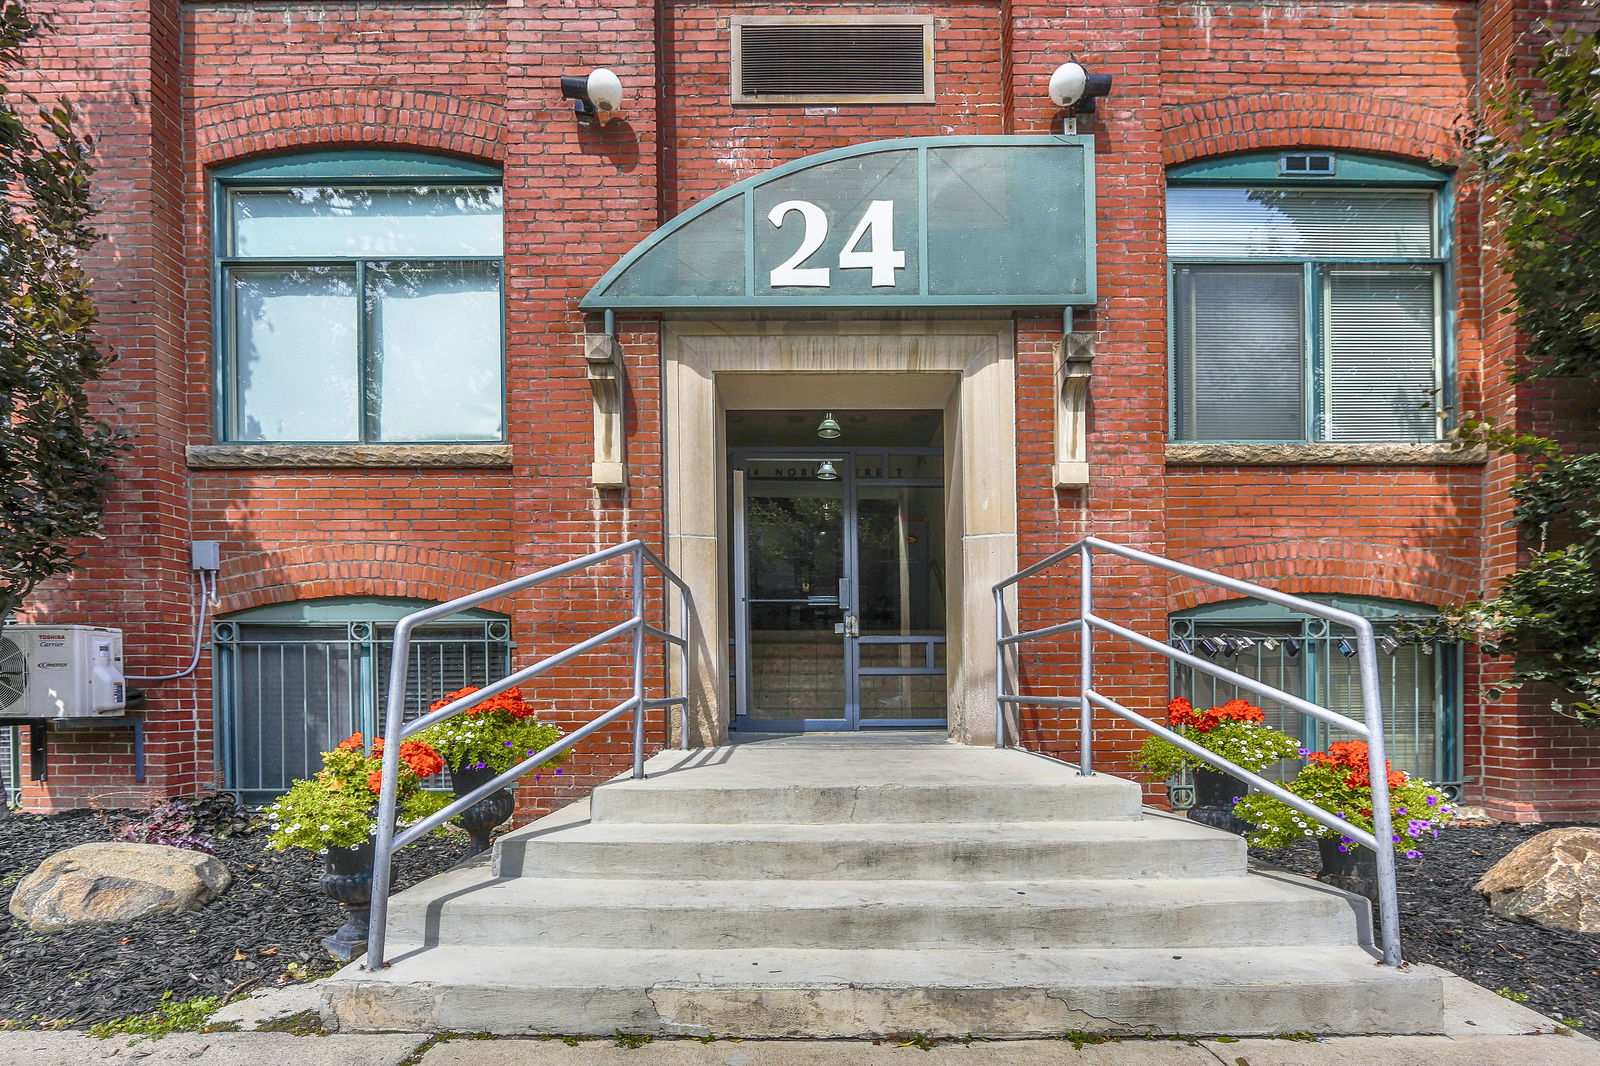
(839, 588)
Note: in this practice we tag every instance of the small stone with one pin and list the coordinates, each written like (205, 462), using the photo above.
(1552, 880)
(99, 884)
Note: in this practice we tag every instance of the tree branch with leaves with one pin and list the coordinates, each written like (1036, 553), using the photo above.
(56, 455)
(1542, 170)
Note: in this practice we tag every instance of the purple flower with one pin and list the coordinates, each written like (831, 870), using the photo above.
(1304, 752)
(508, 743)
(1401, 810)
(1433, 801)
(558, 771)
(480, 766)
(1343, 847)
(1413, 854)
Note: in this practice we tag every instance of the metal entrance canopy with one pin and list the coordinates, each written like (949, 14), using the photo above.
(914, 222)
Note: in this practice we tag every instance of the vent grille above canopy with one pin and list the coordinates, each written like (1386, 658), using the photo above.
(804, 60)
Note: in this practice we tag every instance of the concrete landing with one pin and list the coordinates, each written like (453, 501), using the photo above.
(795, 889)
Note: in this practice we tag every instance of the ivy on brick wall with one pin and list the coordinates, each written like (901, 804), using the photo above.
(1544, 177)
(55, 455)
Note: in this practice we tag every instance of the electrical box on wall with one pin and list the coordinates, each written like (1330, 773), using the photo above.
(61, 672)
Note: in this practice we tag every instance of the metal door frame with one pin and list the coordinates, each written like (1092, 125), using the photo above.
(849, 591)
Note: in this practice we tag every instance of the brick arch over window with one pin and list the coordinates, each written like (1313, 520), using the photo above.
(318, 571)
(1350, 121)
(326, 118)
(1378, 570)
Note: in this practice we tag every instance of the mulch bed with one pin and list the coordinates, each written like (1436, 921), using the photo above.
(274, 915)
(1446, 924)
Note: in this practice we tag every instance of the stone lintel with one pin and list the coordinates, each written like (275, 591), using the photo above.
(249, 456)
(1222, 453)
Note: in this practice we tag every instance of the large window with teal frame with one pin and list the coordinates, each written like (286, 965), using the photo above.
(1309, 658)
(1310, 296)
(294, 679)
(359, 299)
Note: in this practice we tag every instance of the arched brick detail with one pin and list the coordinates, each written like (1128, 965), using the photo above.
(1348, 568)
(1351, 121)
(316, 571)
(324, 118)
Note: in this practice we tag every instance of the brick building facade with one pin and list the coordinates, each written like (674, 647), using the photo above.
(193, 105)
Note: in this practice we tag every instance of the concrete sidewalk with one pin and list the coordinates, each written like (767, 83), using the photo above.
(1481, 1029)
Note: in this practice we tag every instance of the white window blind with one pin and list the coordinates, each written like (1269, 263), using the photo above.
(1242, 345)
(1230, 223)
(1379, 334)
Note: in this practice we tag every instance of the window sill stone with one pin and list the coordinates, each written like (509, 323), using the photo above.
(256, 456)
(1221, 453)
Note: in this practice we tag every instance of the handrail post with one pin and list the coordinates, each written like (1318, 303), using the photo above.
(388, 798)
(1378, 773)
(1000, 687)
(685, 619)
(1086, 662)
(638, 663)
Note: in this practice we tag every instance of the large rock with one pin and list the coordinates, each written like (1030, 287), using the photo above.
(1552, 880)
(96, 884)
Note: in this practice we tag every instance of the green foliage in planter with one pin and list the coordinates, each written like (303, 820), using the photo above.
(496, 734)
(338, 807)
(1339, 782)
(1234, 730)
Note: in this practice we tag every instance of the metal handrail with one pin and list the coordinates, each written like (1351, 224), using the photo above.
(388, 841)
(1088, 698)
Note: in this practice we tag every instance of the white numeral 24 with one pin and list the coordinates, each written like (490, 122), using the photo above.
(876, 225)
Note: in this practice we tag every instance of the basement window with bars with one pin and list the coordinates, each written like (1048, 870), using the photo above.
(11, 759)
(1303, 311)
(292, 680)
(1310, 658)
(814, 59)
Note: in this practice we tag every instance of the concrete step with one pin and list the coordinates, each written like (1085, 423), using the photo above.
(1159, 846)
(913, 784)
(853, 993)
(471, 906)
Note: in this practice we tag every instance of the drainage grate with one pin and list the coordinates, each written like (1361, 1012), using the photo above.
(805, 60)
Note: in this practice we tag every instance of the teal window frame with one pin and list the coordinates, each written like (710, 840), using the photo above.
(356, 631)
(1319, 655)
(1352, 171)
(352, 169)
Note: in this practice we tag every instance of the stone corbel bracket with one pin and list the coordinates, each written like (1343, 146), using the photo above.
(604, 356)
(1074, 358)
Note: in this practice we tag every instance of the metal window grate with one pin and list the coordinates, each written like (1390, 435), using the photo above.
(291, 690)
(798, 60)
(11, 759)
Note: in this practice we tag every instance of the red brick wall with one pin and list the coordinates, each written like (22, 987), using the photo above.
(118, 63)
(174, 89)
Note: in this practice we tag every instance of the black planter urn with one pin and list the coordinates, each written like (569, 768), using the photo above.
(347, 879)
(1214, 793)
(480, 819)
(1354, 870)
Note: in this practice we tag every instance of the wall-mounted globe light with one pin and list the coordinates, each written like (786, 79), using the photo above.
(598, 91)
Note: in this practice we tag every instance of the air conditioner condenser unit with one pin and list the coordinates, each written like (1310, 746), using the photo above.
(61, 672)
